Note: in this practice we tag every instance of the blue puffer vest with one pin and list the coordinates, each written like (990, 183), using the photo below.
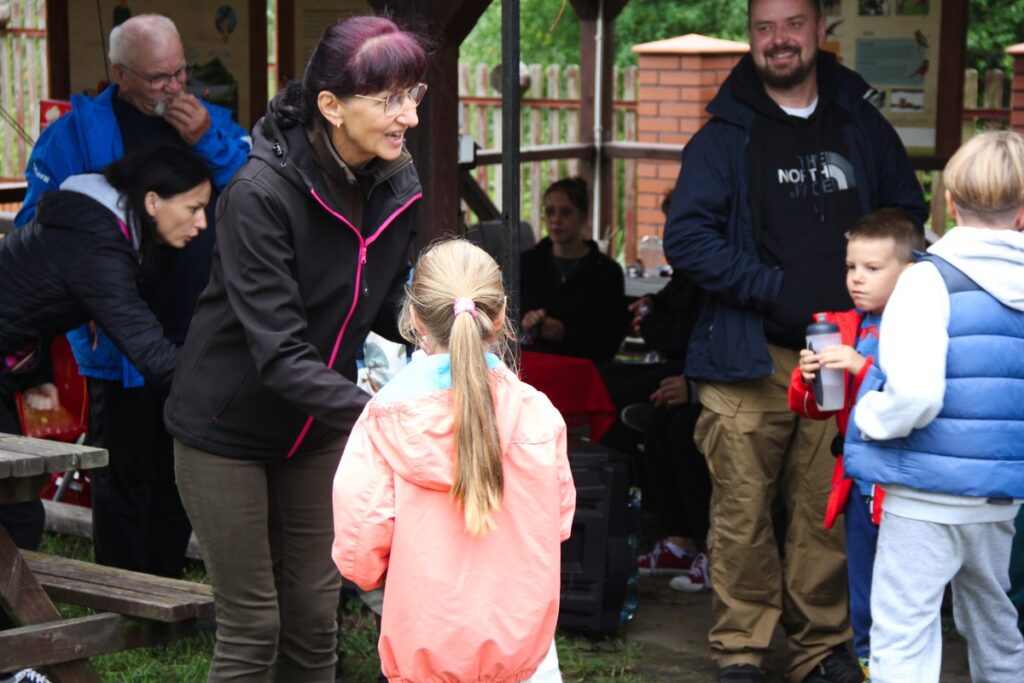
(975, 446)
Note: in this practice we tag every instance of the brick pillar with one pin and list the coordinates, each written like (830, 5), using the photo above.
(1017, 88)
(677, 77)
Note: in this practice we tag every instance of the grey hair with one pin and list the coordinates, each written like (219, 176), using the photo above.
(139, 30)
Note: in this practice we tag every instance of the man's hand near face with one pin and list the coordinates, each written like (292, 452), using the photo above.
(189, 117)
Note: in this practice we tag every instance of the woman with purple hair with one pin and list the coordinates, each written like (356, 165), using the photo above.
(314, 236)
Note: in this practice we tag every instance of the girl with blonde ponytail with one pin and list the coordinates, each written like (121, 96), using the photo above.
(455, 485)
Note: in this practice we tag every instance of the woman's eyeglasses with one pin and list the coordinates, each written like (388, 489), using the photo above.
(394, 103)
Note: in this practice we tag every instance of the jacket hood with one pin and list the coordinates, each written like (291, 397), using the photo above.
(284, 150)
(79, 208)
(742, 96)
(413, 425)
(95, 185)
(992, 258)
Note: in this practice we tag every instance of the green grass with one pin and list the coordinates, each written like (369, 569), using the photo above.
(581, 659)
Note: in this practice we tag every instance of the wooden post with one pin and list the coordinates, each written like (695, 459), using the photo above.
(949, 98)
(57, 39)
(1017, 88)
(938, 212)
(970, 102)
(482, 138)
(554, 75)
(993, 96)
(536, 184)
(257, 61)
(629, 173)
(572, 91)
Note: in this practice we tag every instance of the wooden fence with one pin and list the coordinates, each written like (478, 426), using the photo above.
(986, 107)
(549, 116)
(23, 82)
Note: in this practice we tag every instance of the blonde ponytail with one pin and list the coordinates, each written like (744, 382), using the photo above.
(449, 272)
(478, 474)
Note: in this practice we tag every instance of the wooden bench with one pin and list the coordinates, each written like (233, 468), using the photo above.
(75, 520)
(135, 610)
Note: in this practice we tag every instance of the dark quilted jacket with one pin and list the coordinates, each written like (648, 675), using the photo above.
(70, 265)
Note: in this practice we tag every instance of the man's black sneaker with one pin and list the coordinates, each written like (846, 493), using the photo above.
(837, 667)
(740, 673)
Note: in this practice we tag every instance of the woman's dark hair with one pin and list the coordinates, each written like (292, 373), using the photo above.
(355, 56)
(575, 189)
(165, 169)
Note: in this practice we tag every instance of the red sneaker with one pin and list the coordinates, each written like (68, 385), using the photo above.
(697, 579)
(661, 560)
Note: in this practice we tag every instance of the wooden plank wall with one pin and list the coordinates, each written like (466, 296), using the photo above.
(23, 82)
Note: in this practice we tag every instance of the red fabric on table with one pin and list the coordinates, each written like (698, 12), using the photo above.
(574, 387)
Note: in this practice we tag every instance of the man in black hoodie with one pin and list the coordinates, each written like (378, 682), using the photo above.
(794, 154)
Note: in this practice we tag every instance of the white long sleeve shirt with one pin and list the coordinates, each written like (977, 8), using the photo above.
(913, 341)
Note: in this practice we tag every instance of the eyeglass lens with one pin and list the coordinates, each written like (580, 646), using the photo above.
(395, 102)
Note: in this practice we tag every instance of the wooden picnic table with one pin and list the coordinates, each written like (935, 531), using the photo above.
(25, 465)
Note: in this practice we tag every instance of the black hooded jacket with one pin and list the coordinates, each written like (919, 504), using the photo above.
(269, 361)
(73, 264)
(804, 194)
(713, 234)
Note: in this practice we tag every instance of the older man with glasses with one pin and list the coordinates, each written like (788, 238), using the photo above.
(138, 520)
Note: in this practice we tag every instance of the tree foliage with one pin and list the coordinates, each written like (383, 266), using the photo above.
(641, 21)
(991, 28)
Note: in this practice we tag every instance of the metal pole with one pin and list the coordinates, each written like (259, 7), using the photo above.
(598, 231)
(510, 154)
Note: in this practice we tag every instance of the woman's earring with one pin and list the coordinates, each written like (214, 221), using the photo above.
(338, 124)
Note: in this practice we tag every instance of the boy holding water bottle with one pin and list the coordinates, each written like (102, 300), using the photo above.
(943, 430)
(879, 247)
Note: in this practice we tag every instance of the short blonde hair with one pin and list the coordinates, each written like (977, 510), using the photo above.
(449, 270)
(985, 178)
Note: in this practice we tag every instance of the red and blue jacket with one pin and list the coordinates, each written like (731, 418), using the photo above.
(803, 403)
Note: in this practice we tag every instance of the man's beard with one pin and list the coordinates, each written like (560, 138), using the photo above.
(789, 79)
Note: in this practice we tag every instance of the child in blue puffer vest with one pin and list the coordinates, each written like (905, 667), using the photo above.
(943, 430)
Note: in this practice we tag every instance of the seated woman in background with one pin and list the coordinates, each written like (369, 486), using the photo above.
(572, 296)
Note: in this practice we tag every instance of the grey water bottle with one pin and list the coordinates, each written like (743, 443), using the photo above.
(828, 383)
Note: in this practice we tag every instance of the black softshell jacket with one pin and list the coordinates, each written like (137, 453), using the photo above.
(73, 264)
(269, 361)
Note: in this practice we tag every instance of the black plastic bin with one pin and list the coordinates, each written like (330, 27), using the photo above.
(597, 560)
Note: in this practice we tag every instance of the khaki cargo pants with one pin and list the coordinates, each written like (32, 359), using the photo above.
(757, 449)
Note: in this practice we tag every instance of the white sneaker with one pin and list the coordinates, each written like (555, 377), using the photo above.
(695, 580)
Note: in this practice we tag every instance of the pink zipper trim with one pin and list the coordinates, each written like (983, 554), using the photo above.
(364, 245)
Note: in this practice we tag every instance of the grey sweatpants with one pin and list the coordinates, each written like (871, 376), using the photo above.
(914, 562)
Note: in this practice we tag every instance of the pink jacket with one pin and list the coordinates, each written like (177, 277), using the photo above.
(457, 608)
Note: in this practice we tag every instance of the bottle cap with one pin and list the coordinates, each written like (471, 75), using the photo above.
(821, 326)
